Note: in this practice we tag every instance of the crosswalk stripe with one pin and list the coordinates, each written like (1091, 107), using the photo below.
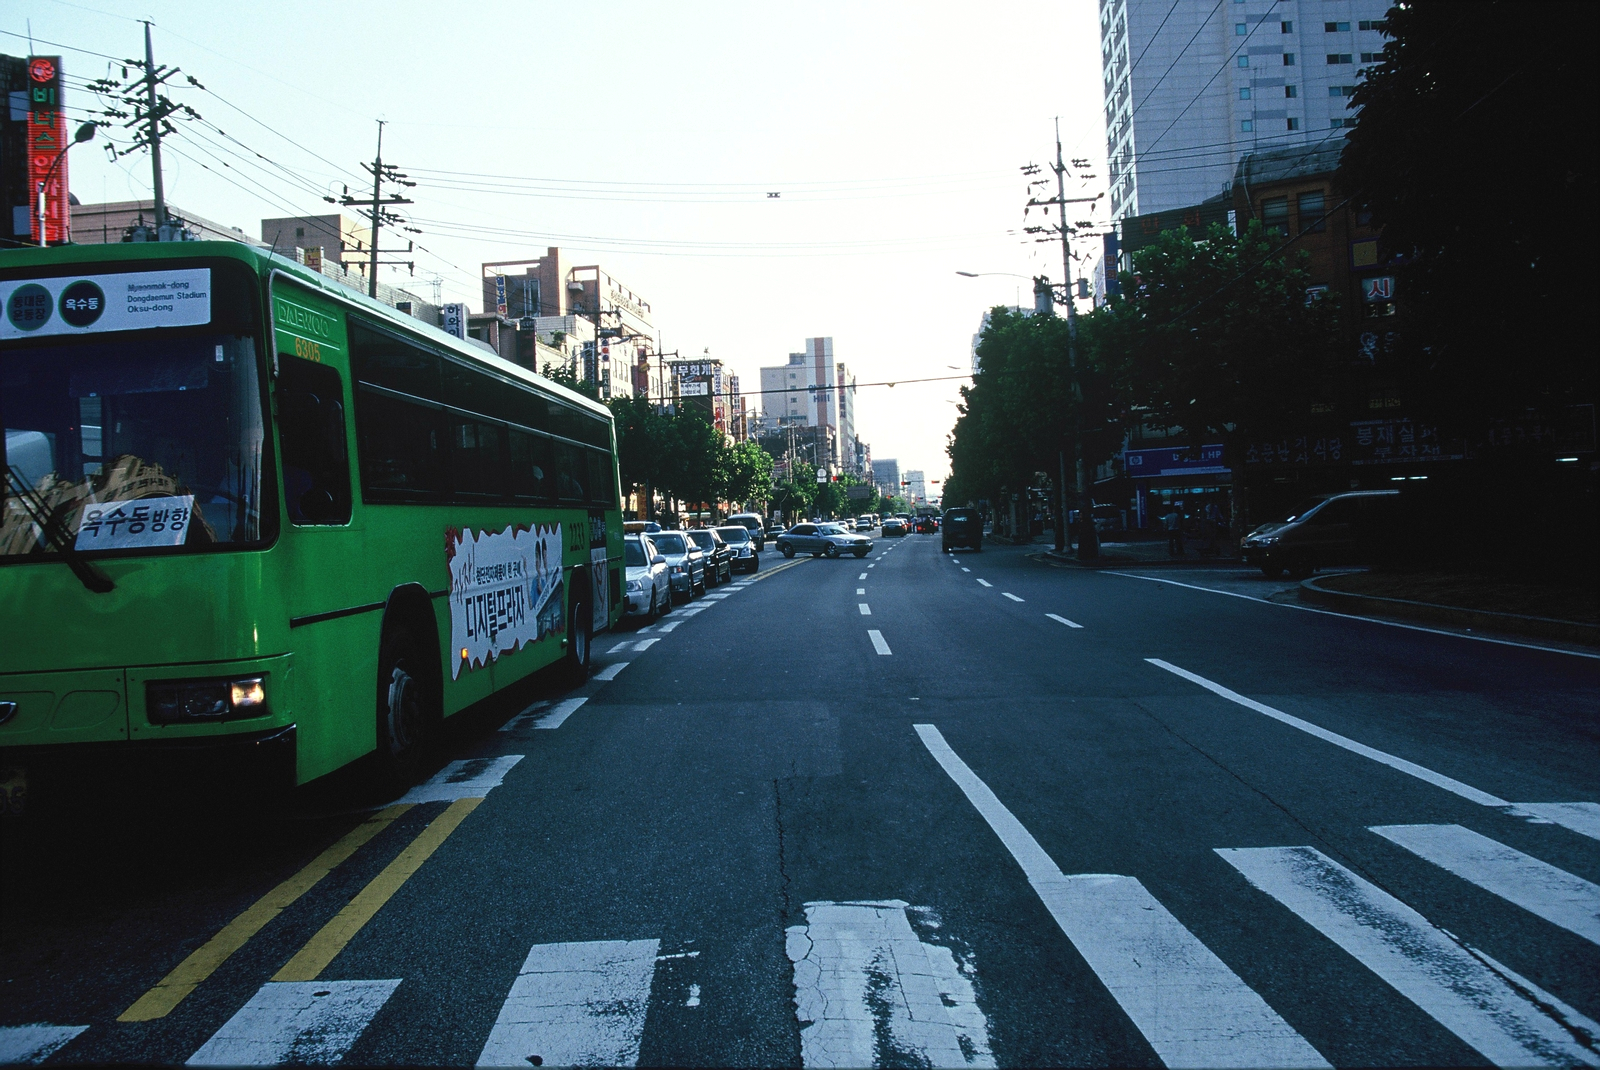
(863, 980)
(610, 671)
(468, 778)
(1189, 1005)
(1555, 895)
(1417, 959)
(560, 712)
(1581, 817)
(34, 1043)
(575, 1004)
(526, 715)
(298, 1021)
(646, 644)
(665, 628)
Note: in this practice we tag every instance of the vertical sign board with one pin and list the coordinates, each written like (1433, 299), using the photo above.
(500, 294)
(47, 140)
(453, 319)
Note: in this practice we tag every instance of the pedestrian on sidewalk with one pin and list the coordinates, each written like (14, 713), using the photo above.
(1173, 521)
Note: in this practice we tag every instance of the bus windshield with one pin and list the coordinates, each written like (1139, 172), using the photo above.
(132, 444)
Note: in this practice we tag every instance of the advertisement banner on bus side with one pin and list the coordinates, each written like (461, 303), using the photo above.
(505, 591)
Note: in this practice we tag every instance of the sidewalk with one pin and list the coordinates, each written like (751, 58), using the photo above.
(1474, 602)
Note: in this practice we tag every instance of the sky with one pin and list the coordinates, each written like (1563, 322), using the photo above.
(646, 138)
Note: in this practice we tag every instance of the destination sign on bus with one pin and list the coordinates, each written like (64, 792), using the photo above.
(92, 304)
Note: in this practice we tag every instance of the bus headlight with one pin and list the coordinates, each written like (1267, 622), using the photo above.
(201, 701)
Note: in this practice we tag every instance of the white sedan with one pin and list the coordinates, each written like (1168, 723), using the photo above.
(648, 580)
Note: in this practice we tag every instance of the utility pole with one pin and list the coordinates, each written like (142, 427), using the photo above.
(1088, 543)
(377, 210)
(155, 116)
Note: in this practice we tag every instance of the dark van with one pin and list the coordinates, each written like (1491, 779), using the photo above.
(1331, 529)
(962, 527)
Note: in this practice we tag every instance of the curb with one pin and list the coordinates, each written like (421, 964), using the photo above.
(1517, 623)
(1125, 562)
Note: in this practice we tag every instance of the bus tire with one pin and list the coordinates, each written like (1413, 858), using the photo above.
(580, 633)
(408, 708)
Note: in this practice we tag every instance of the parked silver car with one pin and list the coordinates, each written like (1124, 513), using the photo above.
(649, 591)
(686, 563)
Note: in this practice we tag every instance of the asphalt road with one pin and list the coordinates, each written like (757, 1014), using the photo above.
(917, 809)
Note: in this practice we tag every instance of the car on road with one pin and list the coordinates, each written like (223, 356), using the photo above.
(962, 527)
(822, 540)
(926, 525)
(746, 555)
(1331, 529)
(719, 555)
(752, 523)
(686, 563)
(893, 528)
(865, 522)
(649, 588)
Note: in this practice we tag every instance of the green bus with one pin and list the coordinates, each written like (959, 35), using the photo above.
(251, 513)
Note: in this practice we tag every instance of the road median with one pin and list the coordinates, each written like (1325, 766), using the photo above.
(1318, 591)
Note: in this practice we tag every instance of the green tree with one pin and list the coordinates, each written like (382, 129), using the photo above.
(748, 474)
(644, 445)
(695, 468)
(567, 379)
(1493, 278)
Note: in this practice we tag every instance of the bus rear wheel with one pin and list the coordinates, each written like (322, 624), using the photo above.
(408, 708)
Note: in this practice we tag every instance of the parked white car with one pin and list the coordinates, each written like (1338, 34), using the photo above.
(648, 578)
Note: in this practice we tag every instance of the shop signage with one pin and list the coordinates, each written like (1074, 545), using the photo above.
(1147, 464)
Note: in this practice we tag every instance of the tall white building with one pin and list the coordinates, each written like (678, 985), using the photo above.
(814, 390)
(1192, 86)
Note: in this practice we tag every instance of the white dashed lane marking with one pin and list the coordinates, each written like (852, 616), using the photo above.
(1063, 620)
(861, 590)
(877, 641)
(986, 583)
(1011, 596)
(965, 569)
(862, 576)
(866, 611)
(610, 671)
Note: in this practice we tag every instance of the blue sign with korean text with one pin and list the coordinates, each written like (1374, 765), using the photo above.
(1146, 464)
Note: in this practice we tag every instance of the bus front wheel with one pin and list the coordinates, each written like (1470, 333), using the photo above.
(408, 708)
(580, 627)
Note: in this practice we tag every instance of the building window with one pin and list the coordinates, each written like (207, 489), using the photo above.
(1341, 91)
(1335, 58)
(1311, 207)
(1244, 61)
(1275, 214)
(1286, 27)
(1288, 59)
(1247, 126)
(1336, 27)
(1241, 29)
(1371, 24)
(1244, 93)
(299, 232)
(1340, 124)
(1291, 91)
(1294, 124)
(1372, 57)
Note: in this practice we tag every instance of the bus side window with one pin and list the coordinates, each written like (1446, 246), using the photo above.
(316, 463)
(530, 466)
(602, 485)
(570, 472)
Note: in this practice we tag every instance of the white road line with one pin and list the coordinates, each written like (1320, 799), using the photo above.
(1439, 780)
(469, 778)
(866, 611)
(1063, 620)
(689, 611)
(862, 576)
(1189, 1005)
(877, 641)
(517, 721)
(1013, 597)
(1555, 895)
(719, 596)
(864, 983)
(577, 1004)
(1581, 817)
(560, 712)
(296, 1021)
(1416, 958)
(34, 1043)
(861, 590)
(610, 671)
(966, 569)
(665, 628)
(646, 644)
(1352, 616)
(986, 583)
(873, 565)
(619, 646)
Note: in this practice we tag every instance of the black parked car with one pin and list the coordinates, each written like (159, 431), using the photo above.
(1338, 529)
(962, 527)
(746, 553)
(719, 555)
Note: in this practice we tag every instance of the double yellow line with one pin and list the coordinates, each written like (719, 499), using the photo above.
(331, 939)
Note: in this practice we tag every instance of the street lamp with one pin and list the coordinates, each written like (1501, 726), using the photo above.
(85, 133)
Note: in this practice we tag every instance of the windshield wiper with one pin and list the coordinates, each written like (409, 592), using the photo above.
(55, 533)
